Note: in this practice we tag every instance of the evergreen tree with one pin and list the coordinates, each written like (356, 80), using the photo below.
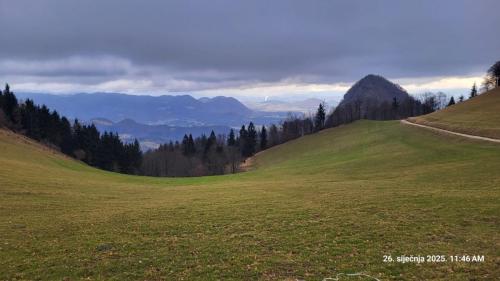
(137, 156)
(452, 101)
(185, 145)
(395, 104)
(191, 145)
(243, 132)
(131, 157)
(211, 141)
(263, 138)
(29, 120)
(231, 141)
(44, 122)
(67, 144)
(251, 141)
(242, 140)
(9, 104)
(202, 141)
(473, 91)
(319, 120)
(461, 98)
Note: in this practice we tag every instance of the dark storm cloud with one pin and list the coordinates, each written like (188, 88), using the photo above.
(230, 42)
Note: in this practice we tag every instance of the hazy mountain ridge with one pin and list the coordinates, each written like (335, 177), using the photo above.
(155, 120)
(183, 110)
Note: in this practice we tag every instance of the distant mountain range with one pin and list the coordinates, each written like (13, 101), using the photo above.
(184, 110)
(155, 120)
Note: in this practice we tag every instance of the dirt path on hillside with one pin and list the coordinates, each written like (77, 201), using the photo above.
(246, 165)
(249, 163)
(406, 122)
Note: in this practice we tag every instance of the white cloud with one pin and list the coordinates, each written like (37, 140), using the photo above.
(446, 84)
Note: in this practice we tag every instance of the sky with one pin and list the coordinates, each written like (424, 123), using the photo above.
(248, 49)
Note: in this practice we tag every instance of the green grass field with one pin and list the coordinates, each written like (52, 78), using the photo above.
(329, 203)
(478, 116)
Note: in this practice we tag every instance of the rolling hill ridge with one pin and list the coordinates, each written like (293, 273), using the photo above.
(477, 116)
(179, 111)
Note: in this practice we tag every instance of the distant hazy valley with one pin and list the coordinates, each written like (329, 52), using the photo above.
(155, 120)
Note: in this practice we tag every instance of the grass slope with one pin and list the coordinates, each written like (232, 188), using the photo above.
(478, 116)
(323, 204)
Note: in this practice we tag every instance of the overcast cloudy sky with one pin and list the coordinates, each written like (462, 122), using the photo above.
(252, 48)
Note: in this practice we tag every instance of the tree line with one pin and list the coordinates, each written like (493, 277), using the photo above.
(221, 154)
(205, 155)
(83, 142)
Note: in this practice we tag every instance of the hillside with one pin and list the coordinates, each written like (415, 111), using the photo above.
(478, 116)
(324, 204)
(374, 89)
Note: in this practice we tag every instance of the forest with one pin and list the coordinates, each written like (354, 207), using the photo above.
(83, 142)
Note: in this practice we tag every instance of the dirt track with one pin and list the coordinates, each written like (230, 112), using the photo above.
(406, 122)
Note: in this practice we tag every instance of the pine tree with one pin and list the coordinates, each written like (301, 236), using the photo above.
(242, 140)
(202, 141)
(263, 138)
(231, 141)
(452, 101)
(29, 120)
(185, 145)
(251, 140)
(395, 104)
(211, 141)
(137, 155)
(191, 145)
(461, 98)
(131, 157)
(319, 120)
(473, 91)
(89, 141)
(9, 104)
(67, 144)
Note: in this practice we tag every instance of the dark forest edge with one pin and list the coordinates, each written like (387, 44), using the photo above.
(83, 142)
(201, 156)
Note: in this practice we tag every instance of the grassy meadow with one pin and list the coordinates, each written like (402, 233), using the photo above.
(477, 116)
(333, 202)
